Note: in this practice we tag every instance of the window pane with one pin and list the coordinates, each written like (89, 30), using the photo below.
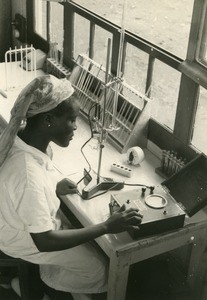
(40, 18)
(135, 70)
(81, 40)
(200, 126)
(56, 19)
(202, 55)
(164, 23)
(100, 46)
(81, 36)
(164, 93)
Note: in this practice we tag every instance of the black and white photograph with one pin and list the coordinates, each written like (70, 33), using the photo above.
(103, 150)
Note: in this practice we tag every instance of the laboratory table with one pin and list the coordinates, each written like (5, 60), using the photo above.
(121, 249)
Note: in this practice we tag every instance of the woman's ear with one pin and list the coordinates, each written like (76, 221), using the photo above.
(48, 120)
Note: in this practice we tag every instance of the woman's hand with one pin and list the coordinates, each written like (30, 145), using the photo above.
(66, 186)
(123, 220)
(56, 240)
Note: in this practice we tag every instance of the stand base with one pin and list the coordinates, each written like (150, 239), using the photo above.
(104, 184)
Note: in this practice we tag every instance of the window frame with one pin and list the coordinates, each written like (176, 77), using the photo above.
(202, 30)
(33, 38)
(192, 67)
(193, 73)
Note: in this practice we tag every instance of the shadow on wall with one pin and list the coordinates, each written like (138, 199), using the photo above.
(5, 27)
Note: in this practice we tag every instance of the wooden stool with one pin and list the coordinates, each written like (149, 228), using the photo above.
(28, 273)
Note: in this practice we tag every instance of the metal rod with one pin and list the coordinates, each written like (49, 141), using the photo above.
(119, 65)
(104, 109)
(91, 40)
(150, 69)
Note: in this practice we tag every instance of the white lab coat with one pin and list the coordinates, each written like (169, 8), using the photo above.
(29, 205)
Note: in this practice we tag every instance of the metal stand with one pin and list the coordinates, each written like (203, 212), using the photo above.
(101, 183)
(104, 184)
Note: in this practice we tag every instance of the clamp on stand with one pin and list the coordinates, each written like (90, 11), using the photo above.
(104, 184)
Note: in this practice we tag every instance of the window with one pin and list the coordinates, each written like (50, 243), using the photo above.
(135, 69)
(164, 94)
(156, 39)
(53, 14)
(200, 126)
(37, 24)
(164, 23)
(202, 47)
(100, 45)
(40, 19)
(56, 24)
(81, 36)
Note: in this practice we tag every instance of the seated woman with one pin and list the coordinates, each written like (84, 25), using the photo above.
(30, 220)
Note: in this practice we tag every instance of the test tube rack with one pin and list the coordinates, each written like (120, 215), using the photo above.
(132, 114)
(171, 163)
(21, 61)
(57, 69)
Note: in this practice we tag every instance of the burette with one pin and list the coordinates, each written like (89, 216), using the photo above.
(119, 66)
(117, 81)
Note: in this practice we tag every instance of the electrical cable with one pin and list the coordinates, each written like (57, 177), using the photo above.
(87, 172)
(139, 184)
(90, 125)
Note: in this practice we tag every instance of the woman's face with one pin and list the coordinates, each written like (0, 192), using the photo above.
(65, 124)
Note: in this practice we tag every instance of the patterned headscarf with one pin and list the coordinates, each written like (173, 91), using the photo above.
(40, 95)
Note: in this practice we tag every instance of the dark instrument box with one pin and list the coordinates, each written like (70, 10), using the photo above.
(165, 209)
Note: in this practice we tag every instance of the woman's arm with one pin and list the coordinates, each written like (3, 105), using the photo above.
(56, 240)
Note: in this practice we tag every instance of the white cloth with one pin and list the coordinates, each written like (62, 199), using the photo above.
(29, 205)
(41, 95)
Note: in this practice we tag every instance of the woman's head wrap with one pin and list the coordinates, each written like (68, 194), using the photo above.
(41, 95)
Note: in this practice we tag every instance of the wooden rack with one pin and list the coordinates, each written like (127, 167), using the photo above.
(132, 114)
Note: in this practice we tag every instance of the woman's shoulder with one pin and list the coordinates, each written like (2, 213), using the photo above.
(21, 170)
(21, 162)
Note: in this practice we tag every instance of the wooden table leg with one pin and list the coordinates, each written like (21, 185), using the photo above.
(197, 266)
(118, 276)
